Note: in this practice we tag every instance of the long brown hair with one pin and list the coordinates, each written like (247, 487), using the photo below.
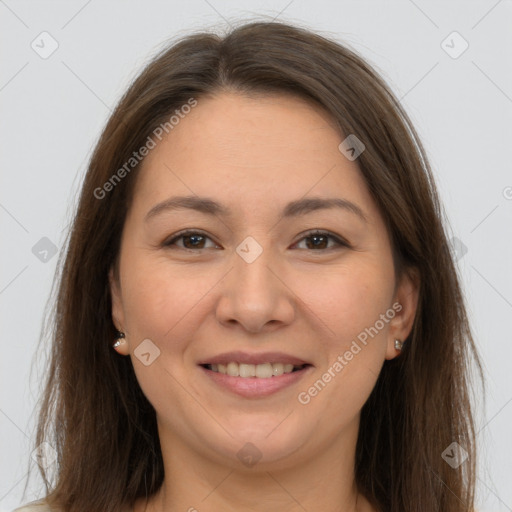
(93, 412)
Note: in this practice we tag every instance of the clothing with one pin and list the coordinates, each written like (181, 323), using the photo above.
(34, 506)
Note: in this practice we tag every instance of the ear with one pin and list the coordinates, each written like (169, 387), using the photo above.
(405, 304)
(117, 309)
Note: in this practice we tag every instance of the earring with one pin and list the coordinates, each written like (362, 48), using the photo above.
(399, 344)
(120, 339)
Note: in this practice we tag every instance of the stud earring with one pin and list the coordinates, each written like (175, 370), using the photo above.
(399, 344)
(120, 339)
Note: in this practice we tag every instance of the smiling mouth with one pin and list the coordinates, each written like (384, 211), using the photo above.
(256, 371)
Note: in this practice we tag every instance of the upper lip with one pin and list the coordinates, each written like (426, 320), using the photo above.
(254, 358)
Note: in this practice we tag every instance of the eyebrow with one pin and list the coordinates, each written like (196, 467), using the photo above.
(293, 209)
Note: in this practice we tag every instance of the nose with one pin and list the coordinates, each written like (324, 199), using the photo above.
(256, 296)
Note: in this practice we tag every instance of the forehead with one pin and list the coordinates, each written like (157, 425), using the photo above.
(234, 126)
(258, 151)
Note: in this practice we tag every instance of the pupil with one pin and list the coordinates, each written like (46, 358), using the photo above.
(318, 240)
(316, 237)
(190, 237)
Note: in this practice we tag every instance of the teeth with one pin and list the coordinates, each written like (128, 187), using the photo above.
(261, 371)
(247, 370)
(278, 369)
(264, 371)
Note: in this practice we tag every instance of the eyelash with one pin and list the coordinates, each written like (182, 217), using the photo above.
(341, 242)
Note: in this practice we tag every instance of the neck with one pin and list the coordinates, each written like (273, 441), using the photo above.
(195, 483)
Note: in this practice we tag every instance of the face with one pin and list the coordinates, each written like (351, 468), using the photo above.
(300, 284)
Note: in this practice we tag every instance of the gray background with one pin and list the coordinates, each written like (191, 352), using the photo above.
(54, 108)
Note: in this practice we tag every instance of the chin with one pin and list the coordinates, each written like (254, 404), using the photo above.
(261, 445)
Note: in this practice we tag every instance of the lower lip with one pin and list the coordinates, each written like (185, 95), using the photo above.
(254, 387)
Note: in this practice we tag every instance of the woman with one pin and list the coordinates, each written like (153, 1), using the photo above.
(258, 308)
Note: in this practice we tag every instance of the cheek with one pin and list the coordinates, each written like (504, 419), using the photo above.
(159, 306)
(351, 305)
(348, 300)
(155, 299)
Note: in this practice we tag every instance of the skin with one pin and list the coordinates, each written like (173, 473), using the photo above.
(254, 155)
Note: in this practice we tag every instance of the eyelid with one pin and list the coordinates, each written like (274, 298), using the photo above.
(324, 232)
(340, 241)
(176, 236)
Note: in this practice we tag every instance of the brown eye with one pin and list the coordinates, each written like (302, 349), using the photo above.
(318, 240)
(191, 240)
(315, 241)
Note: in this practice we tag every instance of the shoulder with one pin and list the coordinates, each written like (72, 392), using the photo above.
(34, 506)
